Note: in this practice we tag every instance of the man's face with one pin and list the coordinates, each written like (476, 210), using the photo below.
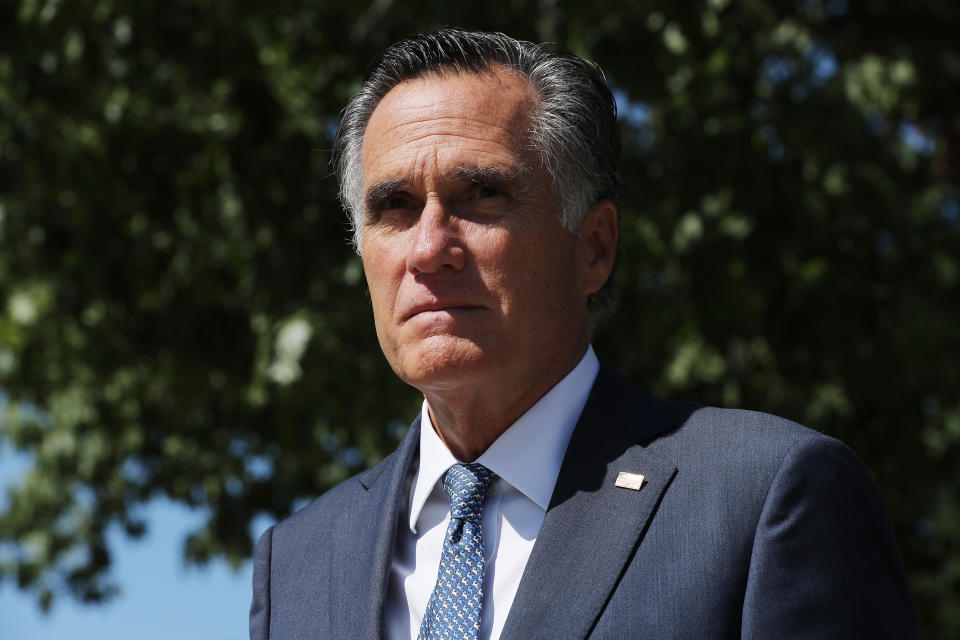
(472, 278)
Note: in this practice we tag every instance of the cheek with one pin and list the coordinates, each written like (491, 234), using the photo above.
(522, 284)
(381, 283)
(550, 280)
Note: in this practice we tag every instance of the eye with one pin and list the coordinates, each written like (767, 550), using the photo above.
(396, 201)
(395, 208)
(483, 191)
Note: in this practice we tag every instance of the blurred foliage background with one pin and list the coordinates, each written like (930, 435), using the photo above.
(181, 315)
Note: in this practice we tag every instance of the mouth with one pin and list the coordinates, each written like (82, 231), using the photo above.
(437, 308)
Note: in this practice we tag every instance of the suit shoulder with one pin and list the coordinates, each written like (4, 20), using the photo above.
(742, 426)
(740, 443)
(735, 418)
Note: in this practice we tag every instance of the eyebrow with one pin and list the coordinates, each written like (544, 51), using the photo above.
(497, 177)
(380, 190)
(505, 179)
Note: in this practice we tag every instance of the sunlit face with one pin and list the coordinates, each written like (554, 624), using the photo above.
(472, 278)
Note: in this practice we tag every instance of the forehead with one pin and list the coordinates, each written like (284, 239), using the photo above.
(481, 119)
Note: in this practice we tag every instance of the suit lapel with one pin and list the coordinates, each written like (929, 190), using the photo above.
(592, 527)
(383, 487)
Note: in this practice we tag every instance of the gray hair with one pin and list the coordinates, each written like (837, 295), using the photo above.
(573, 128)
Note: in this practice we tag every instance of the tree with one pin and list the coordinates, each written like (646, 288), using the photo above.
(180, 313)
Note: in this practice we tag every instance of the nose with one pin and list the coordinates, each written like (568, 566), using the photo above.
(436, 242)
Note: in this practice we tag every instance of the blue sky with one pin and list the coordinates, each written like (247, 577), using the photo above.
(160, 596)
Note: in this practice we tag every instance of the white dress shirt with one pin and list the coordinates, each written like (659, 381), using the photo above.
(526, 459)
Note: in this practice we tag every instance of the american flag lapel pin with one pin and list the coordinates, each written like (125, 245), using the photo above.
(627, 480)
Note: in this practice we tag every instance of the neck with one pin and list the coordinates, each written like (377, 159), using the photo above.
(469, 420)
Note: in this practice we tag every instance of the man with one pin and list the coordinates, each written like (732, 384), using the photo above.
(539, 494)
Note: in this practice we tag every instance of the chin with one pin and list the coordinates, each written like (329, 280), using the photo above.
(442, 362)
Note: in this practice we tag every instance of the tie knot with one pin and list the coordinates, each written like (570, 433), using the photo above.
(466, 485)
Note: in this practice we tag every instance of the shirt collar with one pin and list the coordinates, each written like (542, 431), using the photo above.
(545, 429)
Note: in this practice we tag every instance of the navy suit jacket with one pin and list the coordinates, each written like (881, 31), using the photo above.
(747, 526)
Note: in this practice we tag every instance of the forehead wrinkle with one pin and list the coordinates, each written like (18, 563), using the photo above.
(450, 165)
(480, 132)
(393, 155)
(428, 114)
(406, 95)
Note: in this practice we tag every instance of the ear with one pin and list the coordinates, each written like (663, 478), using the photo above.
(598, 244)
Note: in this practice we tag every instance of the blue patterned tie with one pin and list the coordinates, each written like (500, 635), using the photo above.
(453, 612)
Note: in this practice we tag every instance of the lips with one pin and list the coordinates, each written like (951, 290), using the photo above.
(431, 307)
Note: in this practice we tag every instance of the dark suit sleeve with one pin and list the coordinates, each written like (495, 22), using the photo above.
(260, 607)
(825, 563)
